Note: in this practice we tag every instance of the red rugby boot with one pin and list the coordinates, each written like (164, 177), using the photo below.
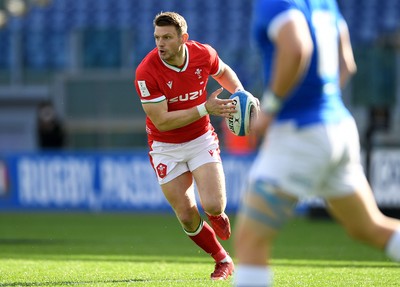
(221, 225)
(222, 270)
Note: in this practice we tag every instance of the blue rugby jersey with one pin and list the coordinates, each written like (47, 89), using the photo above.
(318, 97)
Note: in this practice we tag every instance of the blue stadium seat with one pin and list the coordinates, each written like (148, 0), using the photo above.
(58, 50)
(101, 48)
(36, 50)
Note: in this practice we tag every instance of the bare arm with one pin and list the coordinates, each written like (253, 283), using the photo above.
(228, 79)
(347, 64)
(293, 54)
(292, 57)
(165, 120)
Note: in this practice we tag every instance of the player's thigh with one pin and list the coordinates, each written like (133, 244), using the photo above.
(180, 192)
(210, 182)
(358, 212)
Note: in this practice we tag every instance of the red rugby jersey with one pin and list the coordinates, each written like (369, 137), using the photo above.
(183, 88)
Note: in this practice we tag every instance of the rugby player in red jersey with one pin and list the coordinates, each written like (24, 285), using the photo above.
(171, 82)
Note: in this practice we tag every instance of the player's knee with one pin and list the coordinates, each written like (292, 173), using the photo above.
(264, 203)
(213, 208)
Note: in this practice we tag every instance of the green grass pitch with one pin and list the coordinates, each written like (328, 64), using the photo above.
(130, 249)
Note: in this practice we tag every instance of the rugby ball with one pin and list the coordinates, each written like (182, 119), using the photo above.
(239, 122)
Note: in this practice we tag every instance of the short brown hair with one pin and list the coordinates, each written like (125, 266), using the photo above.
(171, 19)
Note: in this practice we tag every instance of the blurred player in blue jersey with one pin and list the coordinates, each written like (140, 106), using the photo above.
(311, 143)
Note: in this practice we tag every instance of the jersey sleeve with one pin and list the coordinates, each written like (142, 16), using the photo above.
(215, 62)
(340, 20)
(146, 86)
(271, 15)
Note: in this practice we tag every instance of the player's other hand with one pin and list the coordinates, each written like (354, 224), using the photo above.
(219, 107)
(260, 123)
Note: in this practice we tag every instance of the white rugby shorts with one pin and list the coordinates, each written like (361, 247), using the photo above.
(170, 160)
(319, 160)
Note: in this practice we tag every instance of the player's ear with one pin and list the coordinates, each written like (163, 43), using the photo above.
(185, 37)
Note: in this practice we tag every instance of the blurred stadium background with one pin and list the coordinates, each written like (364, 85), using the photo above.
(79, 57)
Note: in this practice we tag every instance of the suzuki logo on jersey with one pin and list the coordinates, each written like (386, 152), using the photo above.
(198, 73)
(169, 84)
(186, 97)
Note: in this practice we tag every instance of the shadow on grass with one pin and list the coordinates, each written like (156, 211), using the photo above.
(190, 258)
(63, 283)
(30, 241)
(334, 264)
(67, 283)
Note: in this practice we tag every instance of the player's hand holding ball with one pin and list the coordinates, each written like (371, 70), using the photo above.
(219, 107)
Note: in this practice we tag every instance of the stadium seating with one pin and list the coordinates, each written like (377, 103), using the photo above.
(47, 31)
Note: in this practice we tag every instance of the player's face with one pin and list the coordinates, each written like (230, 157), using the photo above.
(169, 44)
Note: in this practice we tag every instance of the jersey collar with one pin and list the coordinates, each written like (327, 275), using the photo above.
(176, 69)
